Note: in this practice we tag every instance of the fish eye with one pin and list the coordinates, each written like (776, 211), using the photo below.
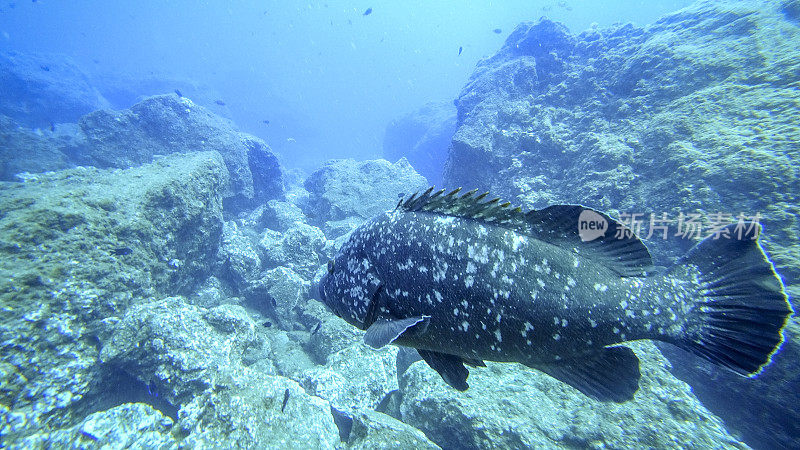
(330, 266)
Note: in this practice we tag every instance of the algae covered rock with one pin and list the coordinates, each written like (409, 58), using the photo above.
(508, 405)
(354, 378)
(33, 151)
(694, 114)
(374, 430)
(302, 248)
(344, 189)
(259, 411)
(168, 124)
(131, 425)
(78, 247)
(280, 216)
(179, 348)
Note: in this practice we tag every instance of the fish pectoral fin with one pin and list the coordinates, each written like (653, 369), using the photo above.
(450, 367)
(612, 375)
(383, 332)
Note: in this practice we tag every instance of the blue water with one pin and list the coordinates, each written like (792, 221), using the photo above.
(328, 78)
(177, 179)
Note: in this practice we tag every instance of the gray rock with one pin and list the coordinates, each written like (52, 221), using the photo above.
(39, 90)
(354, 378)
(251, 414)
(179, 348)
(280, 291)
(373, 430)
(238, 256)
(34, 151)
(209, 294)
(78, 247)
(301, 248)
(423, 137)
(167, 124)
(346, 188)
(333, 334)
(130, 425)
(288, 355)
(509, 405)
(280, 216)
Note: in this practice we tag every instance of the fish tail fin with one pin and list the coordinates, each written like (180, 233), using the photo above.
(741, 308)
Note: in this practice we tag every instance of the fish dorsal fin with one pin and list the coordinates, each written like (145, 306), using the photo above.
(614, 246)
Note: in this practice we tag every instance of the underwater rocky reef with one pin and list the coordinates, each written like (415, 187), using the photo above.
(157, 265)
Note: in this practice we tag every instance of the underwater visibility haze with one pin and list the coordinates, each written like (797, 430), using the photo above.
(218, 225)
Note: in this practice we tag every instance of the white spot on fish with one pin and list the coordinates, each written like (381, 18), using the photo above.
(518, 240)
(600, 287)
(446, 220)
(498, 336)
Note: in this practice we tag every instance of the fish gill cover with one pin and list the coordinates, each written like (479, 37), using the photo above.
(169, 206)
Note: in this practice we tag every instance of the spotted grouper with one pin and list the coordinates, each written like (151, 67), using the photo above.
(463, 280)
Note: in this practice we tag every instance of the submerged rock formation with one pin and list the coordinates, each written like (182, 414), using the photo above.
(423, 138)
(41, 90)
(155, 127)
(696, 113)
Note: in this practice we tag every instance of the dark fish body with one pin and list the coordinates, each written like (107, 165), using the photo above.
(368, 11)
(464, 281)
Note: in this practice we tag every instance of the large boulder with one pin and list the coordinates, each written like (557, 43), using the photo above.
(78, 247)
(42, 90)
(168, 124)
(344, 193)
(696, 113)
(130, 425)
(423, 138)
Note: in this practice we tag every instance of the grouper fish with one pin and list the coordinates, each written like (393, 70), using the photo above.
(464, 280)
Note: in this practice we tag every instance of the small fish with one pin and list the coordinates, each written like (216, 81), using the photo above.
(178, 93)
(316, 328)
(45, 68)
(368, 11)
(559, 289)
(265, 122)
(285, 399)
(219, 102)
(52, 126)
(497, 31)
(121, 251)
(460, 49)
(267, 324)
